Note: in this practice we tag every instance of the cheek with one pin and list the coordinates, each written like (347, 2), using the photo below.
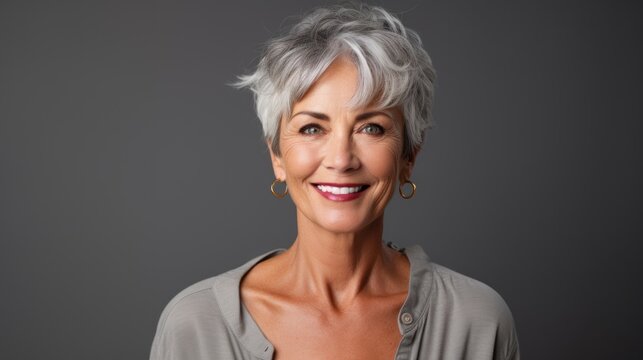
(384, 160)
(300, 160)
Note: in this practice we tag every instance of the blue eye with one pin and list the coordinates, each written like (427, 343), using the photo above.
(373, 129)
(310, 130)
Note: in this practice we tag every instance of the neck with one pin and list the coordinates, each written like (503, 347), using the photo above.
(336, 267)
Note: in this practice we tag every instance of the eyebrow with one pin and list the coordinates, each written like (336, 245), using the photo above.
(360, 117)
(370, 114)
(316, 115)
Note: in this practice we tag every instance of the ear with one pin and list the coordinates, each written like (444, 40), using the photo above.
(407, 166)
(277, 163)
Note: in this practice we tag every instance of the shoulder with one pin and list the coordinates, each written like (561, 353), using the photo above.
(475, 298)
(194, 303)
(452, 292)
(192, 314)
(205, 320)
(474, 305)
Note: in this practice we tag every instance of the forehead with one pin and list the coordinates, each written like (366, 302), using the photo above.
(334, 92)
(336, 87)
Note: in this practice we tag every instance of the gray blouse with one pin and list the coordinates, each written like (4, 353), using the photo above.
(446, 315)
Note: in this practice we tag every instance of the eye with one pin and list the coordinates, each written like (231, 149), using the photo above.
(372, 129)
(310, 129)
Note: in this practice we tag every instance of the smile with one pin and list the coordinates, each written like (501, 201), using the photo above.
(343, 192)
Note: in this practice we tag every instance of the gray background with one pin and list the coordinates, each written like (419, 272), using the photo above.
(129, 169)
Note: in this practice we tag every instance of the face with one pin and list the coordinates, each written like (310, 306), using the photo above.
(341, 164)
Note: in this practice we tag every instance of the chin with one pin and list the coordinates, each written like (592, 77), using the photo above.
(343, 224)
(341, 228)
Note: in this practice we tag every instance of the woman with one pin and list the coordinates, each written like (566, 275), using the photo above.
(344, 100)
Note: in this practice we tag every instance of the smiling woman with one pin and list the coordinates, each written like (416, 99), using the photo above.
(344, 100)
(352, 157)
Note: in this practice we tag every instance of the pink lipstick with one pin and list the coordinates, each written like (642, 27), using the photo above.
(340, 192)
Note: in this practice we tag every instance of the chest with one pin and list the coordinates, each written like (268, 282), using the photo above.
(304, 332)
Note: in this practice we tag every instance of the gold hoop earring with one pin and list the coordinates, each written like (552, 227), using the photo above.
(274, 192)
(413, 187)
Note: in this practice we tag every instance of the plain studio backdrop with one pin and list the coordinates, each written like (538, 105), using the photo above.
(129, 169)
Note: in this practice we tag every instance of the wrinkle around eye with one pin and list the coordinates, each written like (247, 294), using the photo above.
(311, 130)
(379, 130)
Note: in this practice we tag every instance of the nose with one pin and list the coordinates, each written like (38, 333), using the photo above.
(340, 153)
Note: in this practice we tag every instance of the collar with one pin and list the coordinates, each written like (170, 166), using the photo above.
(226, 290)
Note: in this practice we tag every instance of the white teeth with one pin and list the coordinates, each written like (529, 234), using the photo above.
(339, 190)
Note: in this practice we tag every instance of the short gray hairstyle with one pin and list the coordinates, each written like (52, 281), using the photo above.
(394, 69)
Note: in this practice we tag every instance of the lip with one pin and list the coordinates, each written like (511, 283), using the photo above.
(340, 197)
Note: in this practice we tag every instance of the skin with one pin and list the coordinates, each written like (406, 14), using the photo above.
(337, 291)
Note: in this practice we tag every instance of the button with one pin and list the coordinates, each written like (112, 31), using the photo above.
(394, 247)
(407, 319)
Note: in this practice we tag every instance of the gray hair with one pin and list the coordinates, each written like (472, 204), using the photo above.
(394, 70)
